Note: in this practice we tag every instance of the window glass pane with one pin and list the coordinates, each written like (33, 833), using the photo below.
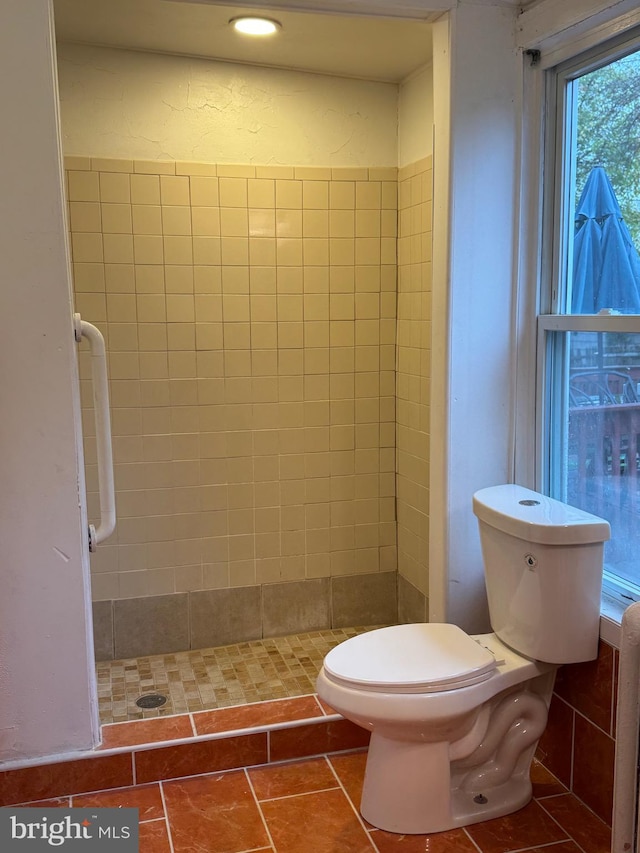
(603, 265)
(595, 436)
(590, 393)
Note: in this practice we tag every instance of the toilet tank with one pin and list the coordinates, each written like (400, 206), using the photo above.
(543, 563)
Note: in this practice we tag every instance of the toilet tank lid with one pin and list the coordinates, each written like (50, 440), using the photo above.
(535, 517)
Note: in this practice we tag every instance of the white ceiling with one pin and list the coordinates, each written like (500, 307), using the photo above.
(368, 48)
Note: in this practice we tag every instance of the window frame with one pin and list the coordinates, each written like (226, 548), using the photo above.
(557, 193)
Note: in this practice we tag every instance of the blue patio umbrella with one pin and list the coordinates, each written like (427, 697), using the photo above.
(606, 265)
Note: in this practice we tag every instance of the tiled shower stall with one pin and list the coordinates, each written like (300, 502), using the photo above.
(268, 338)
(240, 516)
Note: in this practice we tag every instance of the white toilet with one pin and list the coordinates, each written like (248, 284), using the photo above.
(455, 719)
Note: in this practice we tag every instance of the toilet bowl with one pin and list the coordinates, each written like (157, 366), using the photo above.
(455, 718)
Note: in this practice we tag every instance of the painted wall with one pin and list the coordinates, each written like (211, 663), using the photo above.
(46, 677)
(477, 72)
(415, 116)
(144, 106)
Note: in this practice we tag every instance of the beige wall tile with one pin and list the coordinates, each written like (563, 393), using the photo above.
(261, 193)
(204, 191)
(148, 249)
(383, 173)
(85, 217)
(145, 189)
(153, 167)
(235, 279)
(239, 170)
(181, 336)
(232, 191)
(116, 218)
(344, 173)
(275, 172)
(176, 220)
(262, 251)
(341, 252)
(315, 279)
(152, 336)
(208, 307)
(146, 218)
(206, 251)
(313, 173)
(196, 169)
(83, 186)
(251, 325)
(89, 277)
(174, 189)
(368, 195)
(288, 223)
(149, 278)
(342, 195)
(289, 194)
(315, 194)
(108, 165)
(179, 278)
(234, 250)
(262, 222)
(115, 188)
(315, 223)
(87, 248)
(342, 223)
(177, 250)
(77, 163)
(205, 221)
(92, 306)
(121, 308)
(151, 308)
(234, 222)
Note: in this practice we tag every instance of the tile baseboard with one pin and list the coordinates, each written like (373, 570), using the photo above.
(139, 752)
(163, 624)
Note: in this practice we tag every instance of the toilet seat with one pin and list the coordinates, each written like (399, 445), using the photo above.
(416, 658)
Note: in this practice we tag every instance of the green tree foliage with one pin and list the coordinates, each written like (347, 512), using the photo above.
(609, 133)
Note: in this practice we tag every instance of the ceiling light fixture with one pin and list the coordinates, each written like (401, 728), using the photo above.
(255, 26)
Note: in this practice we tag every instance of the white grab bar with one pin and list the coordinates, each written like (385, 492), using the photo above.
(103, 430)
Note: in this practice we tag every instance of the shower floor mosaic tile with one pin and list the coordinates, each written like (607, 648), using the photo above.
(205, 679)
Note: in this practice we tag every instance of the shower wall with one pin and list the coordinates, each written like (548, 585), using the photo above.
(413, 387)
(249, 314)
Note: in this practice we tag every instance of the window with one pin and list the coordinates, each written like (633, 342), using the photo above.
(589, 335)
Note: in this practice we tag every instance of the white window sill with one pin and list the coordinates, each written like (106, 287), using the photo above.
(611, 610)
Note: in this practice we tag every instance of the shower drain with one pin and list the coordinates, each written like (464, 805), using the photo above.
(151, 700)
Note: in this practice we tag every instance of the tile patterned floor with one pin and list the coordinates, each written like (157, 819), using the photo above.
(215, 678)
(310, 806)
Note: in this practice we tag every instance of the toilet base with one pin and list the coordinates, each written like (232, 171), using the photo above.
(406, 786)
(407, 790)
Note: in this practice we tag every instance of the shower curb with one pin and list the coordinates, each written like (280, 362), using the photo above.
(141, 763)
